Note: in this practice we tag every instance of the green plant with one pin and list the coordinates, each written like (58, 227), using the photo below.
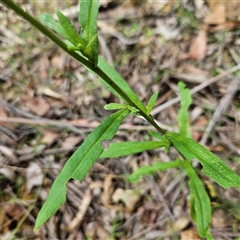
(84, 48)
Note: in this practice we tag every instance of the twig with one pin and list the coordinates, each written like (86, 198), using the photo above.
(81, 212)
(196, 89)
(160, 196)
(223, 105)
(33, 119)
(18, 111)
(228, 144)
(234, 55)
(189, 77)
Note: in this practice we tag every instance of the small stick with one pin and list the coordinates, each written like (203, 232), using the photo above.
(223, 105)
(196, 89)
(81, 212)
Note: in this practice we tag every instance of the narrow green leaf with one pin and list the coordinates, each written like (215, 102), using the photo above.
(79, 164)
(69, 29)
(115, 106)
(126, 94)
(157, 136)
(88, 20)
(56, 26)
(183, 116)
(151, 102)
(133, 110)
(51, 23)
(213, 167)
(126, 148)
(200, 205)
(150, 170)
(161, 138)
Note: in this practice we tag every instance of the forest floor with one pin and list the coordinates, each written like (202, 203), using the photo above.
(50, 103)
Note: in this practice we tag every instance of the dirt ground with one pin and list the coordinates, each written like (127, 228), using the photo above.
(50, 103)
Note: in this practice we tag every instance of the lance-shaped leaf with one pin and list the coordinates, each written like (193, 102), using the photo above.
(150, 170)
(161, 138)
(70, 30)
(213, 166)
(115, 106)
(200, 205)
(64, 28)
(117, 85)
(151, 102)
(51, 23)
(88, 20)
(126, 148)
(183, 115)
(79, 164)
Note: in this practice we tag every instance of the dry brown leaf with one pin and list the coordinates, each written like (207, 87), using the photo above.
(181, 223)
(8, 173)
(225, 26)
(191, 69)
(129, 197)
(50, 93)
(37, 105)
(217, 16)
(9, 153)
(198, 46)
(59, 61)
(70, 142)
(34, 176)
(219, 219)
(49, 137)
(190, 234)
(232, 8)
(108, 189)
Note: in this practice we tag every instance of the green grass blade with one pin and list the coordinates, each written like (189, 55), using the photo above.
(69, 29)
(150, 170)
(51, 23)
(88, 20)
(199, 202)
(126, 148)
(183, 116)
(79, 164)
(213, 166)
(151, 102)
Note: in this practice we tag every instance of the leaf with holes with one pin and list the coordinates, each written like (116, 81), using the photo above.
(79, 164)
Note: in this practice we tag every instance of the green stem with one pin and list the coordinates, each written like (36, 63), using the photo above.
(11, 5)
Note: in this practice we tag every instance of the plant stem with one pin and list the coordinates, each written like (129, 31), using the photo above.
(11, 5)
